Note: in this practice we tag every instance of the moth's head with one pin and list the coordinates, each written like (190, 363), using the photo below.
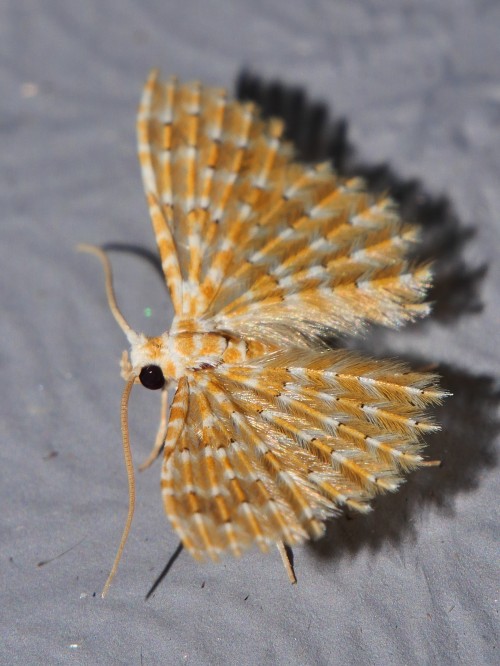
(148, 360)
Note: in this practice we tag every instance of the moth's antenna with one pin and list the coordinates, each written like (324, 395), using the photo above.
(127, 454)
(110, 292)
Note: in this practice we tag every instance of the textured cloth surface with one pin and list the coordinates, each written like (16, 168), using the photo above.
(408, 94)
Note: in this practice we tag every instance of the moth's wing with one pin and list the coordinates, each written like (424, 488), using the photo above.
(154, 120)
(268, 243)
(255, 240)
(298, 250)
(269, 450)
(318, 256)
(192, 145)
(218, 492)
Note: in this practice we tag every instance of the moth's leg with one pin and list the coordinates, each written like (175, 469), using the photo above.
(161, 434)
(126, 367)
(287, 562)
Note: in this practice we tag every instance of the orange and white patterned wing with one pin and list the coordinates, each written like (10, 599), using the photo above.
(192, 145)
(259, 243)
(269, 449)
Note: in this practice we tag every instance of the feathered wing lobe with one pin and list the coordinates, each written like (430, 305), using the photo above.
(218, 491)
(252, 239)
(196, 149)
(331, 259)
(154, 145)
(270, 449)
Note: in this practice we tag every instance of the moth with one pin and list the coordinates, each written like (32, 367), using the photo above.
(270, 431)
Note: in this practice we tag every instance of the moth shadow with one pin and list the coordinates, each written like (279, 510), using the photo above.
(140, 251)
(319, 136)
(465, 446)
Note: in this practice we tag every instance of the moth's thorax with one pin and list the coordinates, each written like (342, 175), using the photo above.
(183, 352)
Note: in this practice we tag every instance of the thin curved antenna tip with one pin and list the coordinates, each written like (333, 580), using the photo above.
(110, 292)
(129, 465)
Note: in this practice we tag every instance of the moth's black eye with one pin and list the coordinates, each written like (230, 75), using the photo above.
(152, 377)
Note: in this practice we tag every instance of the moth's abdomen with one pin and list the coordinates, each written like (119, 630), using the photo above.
(191, 351)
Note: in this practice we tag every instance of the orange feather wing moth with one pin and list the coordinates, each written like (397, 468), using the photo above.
(270, 431)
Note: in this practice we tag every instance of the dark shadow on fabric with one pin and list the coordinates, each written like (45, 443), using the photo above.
(140, 251)
(470, 424)
(166, 569)
(319, 136)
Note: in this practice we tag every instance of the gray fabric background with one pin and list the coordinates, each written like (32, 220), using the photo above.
(414, 86)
